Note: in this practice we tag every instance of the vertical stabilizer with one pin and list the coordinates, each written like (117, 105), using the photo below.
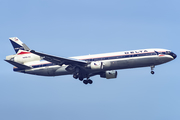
(18, 45)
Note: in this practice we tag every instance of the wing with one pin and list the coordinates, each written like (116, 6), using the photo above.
(59, 60)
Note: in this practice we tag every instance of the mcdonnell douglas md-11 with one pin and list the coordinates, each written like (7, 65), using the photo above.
(83, 67)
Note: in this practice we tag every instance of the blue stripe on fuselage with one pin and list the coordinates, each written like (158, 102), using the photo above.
(36, 66)
(101, 58)
(122, 56)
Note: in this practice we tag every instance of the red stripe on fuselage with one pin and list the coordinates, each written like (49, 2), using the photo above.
(161, 55)
(21, 53)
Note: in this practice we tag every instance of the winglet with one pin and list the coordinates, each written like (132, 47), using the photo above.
(18, 45)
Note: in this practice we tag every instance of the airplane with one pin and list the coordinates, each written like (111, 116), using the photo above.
(83, 67)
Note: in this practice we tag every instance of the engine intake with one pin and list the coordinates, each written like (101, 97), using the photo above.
(109, 74)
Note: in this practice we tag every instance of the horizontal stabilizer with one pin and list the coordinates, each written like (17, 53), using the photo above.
(18, 64)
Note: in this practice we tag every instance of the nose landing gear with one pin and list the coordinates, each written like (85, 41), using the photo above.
(152, 68)
(152, 72)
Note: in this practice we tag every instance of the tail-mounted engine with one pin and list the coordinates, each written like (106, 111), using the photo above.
(22, 58)
(109, 74)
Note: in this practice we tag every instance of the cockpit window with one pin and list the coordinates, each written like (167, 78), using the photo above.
(168, 52)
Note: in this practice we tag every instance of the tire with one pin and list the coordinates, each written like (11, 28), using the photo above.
(75, 76)
(81, 78)
(85, 82)
(152, 72)
(90, 81)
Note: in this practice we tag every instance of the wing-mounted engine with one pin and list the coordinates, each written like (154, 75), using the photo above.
(109, 74)
(96, 65)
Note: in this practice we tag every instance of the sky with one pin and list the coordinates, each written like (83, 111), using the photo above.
(69, 28)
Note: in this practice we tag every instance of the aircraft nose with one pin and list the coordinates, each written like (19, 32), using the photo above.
(173, 55)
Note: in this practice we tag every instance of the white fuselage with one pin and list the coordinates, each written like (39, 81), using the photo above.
(97, 62)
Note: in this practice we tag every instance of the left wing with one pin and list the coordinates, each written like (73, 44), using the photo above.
(59, 60)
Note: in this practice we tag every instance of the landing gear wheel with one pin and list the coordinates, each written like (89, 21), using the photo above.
(152, 72)
(90, 81)
(152, 68)
(75, 76)
(85, 82)
(80, 78)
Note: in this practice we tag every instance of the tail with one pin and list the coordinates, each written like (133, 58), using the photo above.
(18, 45)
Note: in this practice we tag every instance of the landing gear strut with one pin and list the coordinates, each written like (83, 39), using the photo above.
(152, 68)
(76, 74)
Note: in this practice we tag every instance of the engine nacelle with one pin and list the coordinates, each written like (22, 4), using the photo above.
(96, 65)
(109, 74)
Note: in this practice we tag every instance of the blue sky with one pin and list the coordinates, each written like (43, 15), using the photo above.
(69, 28)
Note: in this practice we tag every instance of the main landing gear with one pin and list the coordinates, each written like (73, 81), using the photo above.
(152, 68)
(75, 76)
(87, 81)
